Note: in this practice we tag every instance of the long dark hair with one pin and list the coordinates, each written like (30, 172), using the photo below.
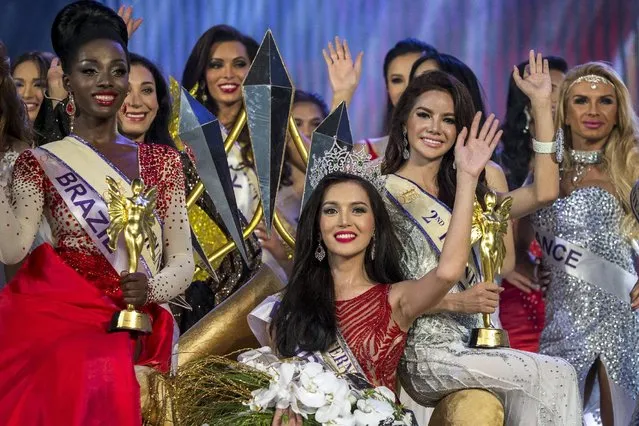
(517, 150)
(458, 69)
(42, 61)
(306, 318)
(14, 124)
(159, 130)
(195, 73)
(195, 68)
(464, 114)
(401, 48)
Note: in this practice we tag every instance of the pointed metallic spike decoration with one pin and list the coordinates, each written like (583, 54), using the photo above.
(201, 254)
(201, 130)
(335, 128)
(175, 89)
(268, 97)
(174, 130)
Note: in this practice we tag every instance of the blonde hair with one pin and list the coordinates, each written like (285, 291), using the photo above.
(621, 152)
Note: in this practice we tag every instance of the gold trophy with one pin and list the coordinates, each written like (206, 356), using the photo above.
(490, 227)
(133, 216)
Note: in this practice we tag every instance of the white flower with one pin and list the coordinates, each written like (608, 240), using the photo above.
(261, 359)
(280, 391)
(284, 384)
(322, 393)
(339, 405)
(262, 398)
(347, 420)
(371, 411)
(382, 393)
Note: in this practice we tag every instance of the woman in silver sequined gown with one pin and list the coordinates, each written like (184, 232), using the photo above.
(534, 389)
(595, 330)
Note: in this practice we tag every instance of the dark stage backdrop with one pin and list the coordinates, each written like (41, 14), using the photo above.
(490, 35)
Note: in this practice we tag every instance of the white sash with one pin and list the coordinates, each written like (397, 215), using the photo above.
(585, 265)
(79, 175)
(432, 218)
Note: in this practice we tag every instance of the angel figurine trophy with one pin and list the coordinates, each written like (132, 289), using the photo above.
(133, 216)
(490, 227)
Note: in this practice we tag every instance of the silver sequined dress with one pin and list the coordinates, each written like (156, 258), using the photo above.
(583, 321)
(535, 389)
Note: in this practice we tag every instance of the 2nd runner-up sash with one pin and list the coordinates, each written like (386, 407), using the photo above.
(432, 218)
(79, 174)
(585, 265)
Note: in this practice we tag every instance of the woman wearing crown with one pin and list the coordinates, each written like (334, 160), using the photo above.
(422, 185)
(586, 238)
(347, 298)
(60, 363)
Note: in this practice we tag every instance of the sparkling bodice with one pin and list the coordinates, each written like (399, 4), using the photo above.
(583, 321)
(418, 259)
(372, 335)
(34, 195)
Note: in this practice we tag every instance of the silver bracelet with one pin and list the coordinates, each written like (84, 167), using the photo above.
(544, 147)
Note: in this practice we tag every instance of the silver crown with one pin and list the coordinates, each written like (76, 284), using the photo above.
(593, 79)
(341, 159)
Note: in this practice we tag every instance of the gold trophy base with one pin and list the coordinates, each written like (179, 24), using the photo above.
(131, 320)
(487, 338)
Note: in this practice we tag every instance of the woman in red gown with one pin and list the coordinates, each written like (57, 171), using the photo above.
(61, 366)
(347, 285)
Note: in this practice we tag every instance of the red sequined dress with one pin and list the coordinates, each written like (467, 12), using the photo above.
(59, 363)
(523, 314)
(372, 335)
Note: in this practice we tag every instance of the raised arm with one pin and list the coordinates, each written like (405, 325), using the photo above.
(343, 73)
(544, 190)
(19, 221)
(411, 299)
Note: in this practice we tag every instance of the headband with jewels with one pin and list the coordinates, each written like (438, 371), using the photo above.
(593, 79)
(332, 152)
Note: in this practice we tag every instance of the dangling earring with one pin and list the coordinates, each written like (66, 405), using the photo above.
(320, 253)
(559, 141)
(204, 97)
(405, 153)
(70, 110)
(528, 118)
(373, 248)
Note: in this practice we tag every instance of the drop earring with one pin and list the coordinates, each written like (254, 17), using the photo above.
(373, 248)
(405, 152)
(71, 110)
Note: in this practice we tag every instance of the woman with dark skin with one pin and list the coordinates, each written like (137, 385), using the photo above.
(76, 275)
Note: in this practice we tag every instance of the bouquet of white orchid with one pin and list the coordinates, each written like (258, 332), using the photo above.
(319, 395)
(217, 391)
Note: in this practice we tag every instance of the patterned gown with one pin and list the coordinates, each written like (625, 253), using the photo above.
(6, 170)
(534, 389)
(34, 196)
(372, 335)
(55, 313)
(584, 322)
